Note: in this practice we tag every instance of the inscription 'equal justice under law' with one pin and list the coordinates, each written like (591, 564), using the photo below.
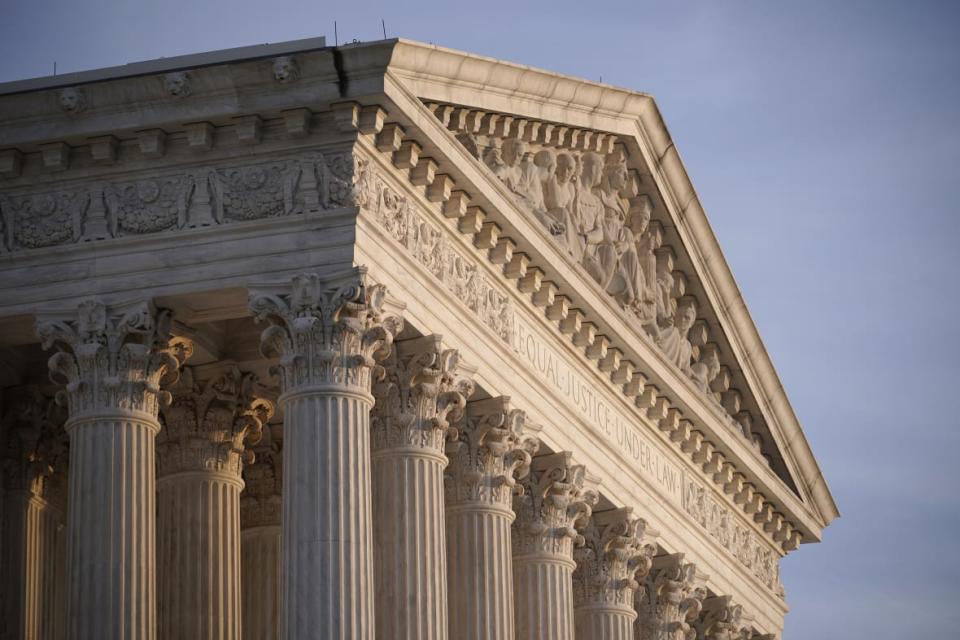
(614, 426)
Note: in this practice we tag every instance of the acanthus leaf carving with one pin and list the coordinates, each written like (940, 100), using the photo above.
(211, 427)
(34, 451)
(490, 452)
(556, 501)
(261, 500)
(669, 600)
(418, 394)
(618, 550)
(113, 358)
(325, 333)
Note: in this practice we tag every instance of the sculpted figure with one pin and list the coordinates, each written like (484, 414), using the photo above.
(177, 84)
(72, 100)
(285, 69)
(559, 193)
(706, 368)
(673, 339)
(589, 210)
(544, 172)
(494, 160)
(649, 237)
(513, 152)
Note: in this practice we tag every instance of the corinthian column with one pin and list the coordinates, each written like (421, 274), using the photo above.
(669, 600)
(113, 363)
(555, 502)
(200, 455)
(416, 397)
(615, 553)
(490, 451)
(327, 336)
(34, 459)
(260, 558)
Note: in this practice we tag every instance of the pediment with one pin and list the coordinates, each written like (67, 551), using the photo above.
(594, 173)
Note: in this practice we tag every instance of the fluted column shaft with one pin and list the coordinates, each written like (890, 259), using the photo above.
(111, 527)
(260, 558)
(327, 534)
(31, 578)
(260, 570)
(543, 596)
(198, 556)
(410, 544)
(480, 573)
(596, 622)
(327, 336)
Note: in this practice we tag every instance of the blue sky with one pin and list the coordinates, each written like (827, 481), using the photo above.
(824, 141)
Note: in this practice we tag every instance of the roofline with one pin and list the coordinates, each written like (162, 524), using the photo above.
(165, 65)
(603, 107)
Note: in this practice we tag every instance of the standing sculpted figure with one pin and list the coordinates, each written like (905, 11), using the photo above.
(673, 339)
(589, 210)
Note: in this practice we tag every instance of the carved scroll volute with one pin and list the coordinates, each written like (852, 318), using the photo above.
(210, 427)
(34, 446)
(721, 619)
(669, 601)
(489, 451)
(113, 358)
(556, 501)
(419, 393)
(617, 551)
(325, 333)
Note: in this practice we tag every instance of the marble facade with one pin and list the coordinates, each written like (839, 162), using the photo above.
(381, 341)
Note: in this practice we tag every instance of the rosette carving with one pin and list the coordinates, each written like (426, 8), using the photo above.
(43, 219)
(669, 600)
(324, 333)
(617, 550)
(489, 452)
(210, 427)
(35, 448)
(261, 500)
(556, 501)
(113, 358)
(420, 393)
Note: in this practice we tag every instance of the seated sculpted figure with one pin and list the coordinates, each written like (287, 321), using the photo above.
(622, 260)
(589, 210)
(704, 370)
(494, 159)
(559, 192)
(673, 340)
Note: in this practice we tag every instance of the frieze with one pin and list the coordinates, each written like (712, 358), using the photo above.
(736, 538)
(309, 182)
(427, 242)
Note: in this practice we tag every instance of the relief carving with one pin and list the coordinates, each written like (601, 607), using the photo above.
(148, 206)
(738, 539)
(400, 218)
(255, 191)
(45, 219)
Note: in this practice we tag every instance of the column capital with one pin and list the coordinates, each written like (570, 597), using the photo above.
(721, 619)
(669, 600)
(557, 500)
(208, 427)
(420, 392)
(327, 332)
(618, 550)
(489, 452)
(112, 358)
(35, 447)
(262, 496)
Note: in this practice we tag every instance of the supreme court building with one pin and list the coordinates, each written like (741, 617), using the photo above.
(380, 341)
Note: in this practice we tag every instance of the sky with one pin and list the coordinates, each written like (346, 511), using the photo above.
(823, 139)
